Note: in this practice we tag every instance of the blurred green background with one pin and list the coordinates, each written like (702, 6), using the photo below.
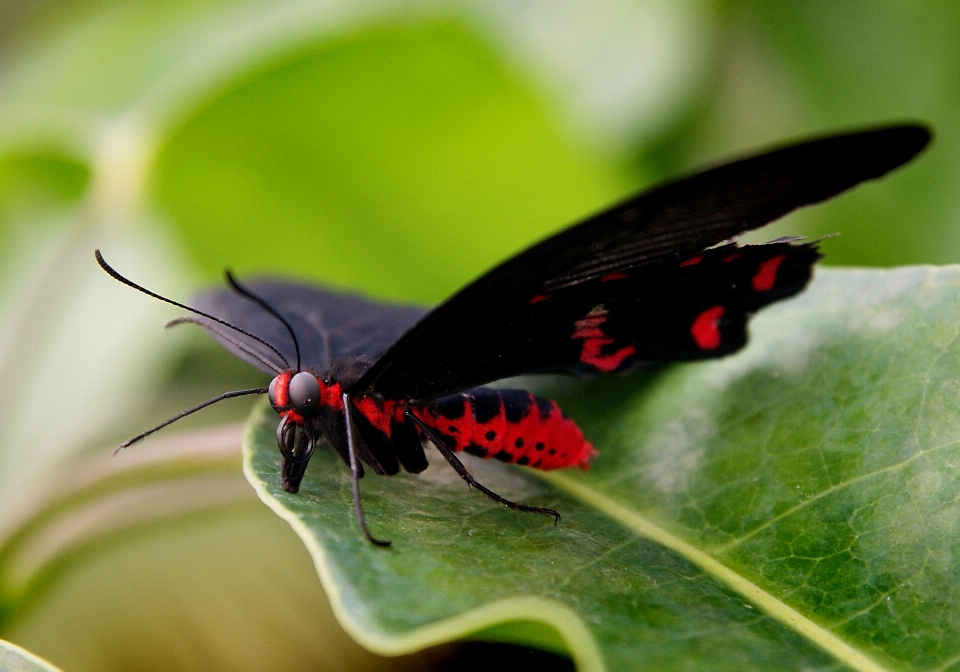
(394, 148)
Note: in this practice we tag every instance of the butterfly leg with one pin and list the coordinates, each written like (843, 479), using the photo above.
(355, 475)
(457, 465)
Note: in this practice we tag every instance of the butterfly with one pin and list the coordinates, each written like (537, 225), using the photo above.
(657, 278)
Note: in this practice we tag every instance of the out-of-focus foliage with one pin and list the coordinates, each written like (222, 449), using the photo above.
(391, 147)
(411, 154)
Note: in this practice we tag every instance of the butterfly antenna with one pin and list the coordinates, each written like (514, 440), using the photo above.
(244, 291)
(189, 411)
(129, 283)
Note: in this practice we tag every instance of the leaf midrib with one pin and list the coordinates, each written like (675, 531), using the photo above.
(777, 609)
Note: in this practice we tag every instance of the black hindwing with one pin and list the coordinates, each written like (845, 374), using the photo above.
(330, 326)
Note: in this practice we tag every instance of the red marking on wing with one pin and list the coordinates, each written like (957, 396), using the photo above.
(732, 257)
(589, 327)
(704, 329)
(613, 276)
(766, 276)
(537, 298)
(594, 340)
(692, 261)
(592, 354)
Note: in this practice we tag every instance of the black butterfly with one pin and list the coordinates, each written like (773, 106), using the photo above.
(657, 278)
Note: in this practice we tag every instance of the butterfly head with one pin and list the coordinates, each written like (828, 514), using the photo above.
(299, 397)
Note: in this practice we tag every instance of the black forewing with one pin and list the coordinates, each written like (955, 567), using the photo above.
(330, 326)
(498, 326)
(657, 313)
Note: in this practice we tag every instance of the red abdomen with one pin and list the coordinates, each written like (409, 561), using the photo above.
(509, 425)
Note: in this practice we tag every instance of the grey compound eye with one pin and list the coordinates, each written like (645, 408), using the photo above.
(272, 391)
(304, 393)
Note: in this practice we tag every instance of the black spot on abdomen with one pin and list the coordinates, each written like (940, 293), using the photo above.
(516, 404)
(451, 407)
(486, 404)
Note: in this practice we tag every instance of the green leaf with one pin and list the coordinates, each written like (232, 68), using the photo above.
(791, 507)
(15, 659)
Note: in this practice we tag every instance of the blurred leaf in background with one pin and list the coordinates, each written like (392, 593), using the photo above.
(395, 148)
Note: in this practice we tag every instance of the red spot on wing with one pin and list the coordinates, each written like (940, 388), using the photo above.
(537, 298)
(705, 331)
(613, 276)
(732, 257)
(692, 261)
(589, 327)
(766, 276)
(592, 354)
(595, 339)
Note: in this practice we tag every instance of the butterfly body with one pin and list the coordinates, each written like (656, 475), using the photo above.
(658, 278)
(509, 425)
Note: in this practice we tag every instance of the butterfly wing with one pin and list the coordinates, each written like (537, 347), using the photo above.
(330, 326)
(639, 283)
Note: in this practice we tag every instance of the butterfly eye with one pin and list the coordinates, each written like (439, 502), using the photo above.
(304, 393)
(272, 391)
